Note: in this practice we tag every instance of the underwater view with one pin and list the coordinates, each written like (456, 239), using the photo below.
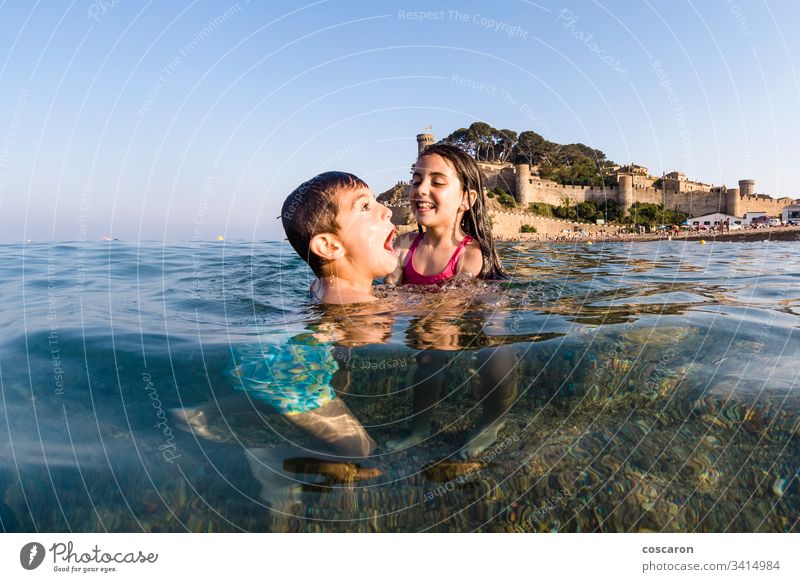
(614, 387)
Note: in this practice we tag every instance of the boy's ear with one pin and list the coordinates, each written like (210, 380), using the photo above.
(468, 200)
(327, 246)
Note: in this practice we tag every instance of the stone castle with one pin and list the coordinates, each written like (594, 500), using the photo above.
(632, 184)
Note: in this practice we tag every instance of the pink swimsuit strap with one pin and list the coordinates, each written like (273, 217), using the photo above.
(413, 277)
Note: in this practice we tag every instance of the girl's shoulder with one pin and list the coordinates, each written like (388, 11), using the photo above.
(472, 244)
(405, 240)
(471, 259)
(472, 248)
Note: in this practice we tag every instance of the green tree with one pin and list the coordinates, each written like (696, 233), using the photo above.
(480, 133)
(607, 210)
(460, 138)
(505, 140)
(570, 164)
(566, 210)
(532, 148)
(653, 214)
(586, 211)
(541, 208)
(504, 197)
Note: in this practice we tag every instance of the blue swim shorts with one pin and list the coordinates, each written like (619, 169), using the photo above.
(291, 378)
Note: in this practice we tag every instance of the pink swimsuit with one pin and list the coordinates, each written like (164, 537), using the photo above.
(412, 277)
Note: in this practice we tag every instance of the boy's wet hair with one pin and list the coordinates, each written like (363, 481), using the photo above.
(475, 221)
(311, 209)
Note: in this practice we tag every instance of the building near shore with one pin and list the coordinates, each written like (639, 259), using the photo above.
(791, 213)
(715, 220)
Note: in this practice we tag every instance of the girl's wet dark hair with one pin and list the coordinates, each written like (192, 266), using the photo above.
(311, 209)
(475, 221)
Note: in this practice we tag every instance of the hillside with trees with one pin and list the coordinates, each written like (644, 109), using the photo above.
(573, 164)
(570, 164)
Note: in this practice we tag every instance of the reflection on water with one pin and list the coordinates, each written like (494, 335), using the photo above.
(641, 387)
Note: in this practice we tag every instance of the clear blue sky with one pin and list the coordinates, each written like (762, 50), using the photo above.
(174, 120)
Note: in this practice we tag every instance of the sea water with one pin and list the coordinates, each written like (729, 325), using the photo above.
(654, 387)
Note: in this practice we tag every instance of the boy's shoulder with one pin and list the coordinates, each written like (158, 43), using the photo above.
(327, 296)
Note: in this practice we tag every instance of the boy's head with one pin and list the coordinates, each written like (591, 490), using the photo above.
(335, 215)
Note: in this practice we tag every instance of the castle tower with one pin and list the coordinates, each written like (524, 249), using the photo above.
(522, 180)
(424, 140)
(747, 187)
(625, 196)
(734, 201)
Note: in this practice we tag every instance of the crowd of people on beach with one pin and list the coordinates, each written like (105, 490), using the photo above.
(642, 233)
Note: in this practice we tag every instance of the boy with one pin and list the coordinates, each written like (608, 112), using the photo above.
(335, 224)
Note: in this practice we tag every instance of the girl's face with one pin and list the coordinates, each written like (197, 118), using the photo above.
(437, 196)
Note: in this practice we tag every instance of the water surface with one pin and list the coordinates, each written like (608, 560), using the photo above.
(656, 390)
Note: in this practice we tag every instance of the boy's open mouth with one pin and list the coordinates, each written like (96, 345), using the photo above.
(388, 244)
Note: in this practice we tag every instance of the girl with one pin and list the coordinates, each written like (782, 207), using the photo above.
(454, 239)
(454, 236)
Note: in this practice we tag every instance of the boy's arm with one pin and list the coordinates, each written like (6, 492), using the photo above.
(402, 243)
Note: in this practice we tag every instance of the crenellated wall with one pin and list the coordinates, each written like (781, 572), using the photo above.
(507, 225)
(553, 193)
(772, 206)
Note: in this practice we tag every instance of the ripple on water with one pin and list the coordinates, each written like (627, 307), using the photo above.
(654, 389)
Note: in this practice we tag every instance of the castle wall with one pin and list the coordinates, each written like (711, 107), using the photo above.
(634, 185)
(648, 195)
(772, 206)
(747, 187)
(693, 203)
(554, 193)
(507, 225)
(423, 141)
(685, 185)
(696, 203)
(734, 202)
(495, 175)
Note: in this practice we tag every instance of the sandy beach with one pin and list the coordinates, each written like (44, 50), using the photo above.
(776, 233)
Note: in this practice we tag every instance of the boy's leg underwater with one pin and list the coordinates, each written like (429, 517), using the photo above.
(334, 424)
